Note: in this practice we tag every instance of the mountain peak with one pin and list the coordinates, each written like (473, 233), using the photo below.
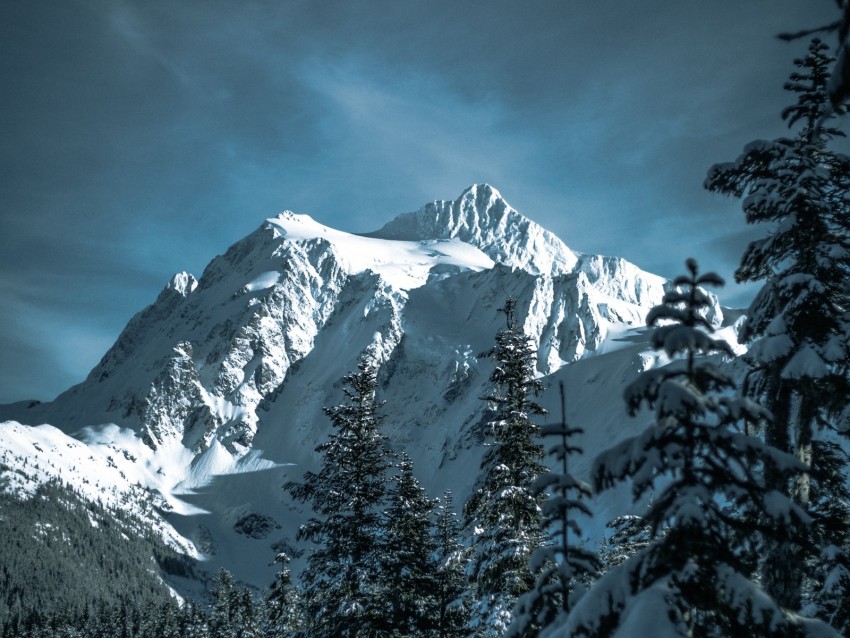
(483, 191)
(481, 216)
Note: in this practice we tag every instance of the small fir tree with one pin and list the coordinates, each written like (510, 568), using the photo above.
(504, 511)
(452, 558)
(149, 618)
(283, 603)
(168, 620)
(225, 608)
(198, 623)
(561, 566)
(343, 574)
(250, 617)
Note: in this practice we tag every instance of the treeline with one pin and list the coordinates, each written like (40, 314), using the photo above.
(62, 553)
(233, 612)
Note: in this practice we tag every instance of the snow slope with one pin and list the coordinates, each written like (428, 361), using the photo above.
(114, 468)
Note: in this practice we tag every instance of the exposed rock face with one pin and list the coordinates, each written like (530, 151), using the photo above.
(255, 525)
(174, 407)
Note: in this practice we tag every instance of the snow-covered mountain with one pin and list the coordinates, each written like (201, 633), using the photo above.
(215, 390)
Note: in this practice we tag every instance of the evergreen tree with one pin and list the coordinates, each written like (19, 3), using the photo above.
(223, 618)
(198, 623)
(409, 591)
(797, 325)
(561, 567)
(103, 624)
(249, 622)
(629, 536)
(691, 579)
(828, 595)
(504, 511)
(168, 621)
(149, 619)
(283, 604)
(342, 577)
(452, 613)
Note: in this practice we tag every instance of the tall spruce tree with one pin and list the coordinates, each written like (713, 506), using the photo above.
(347, 494)
(504, 511)
(692, 579)
(283, 603)
(452, 613)
(224, 616)
(409, 591)
(560, 565)
(797, 325)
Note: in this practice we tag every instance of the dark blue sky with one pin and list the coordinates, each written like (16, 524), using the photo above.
(138, 139)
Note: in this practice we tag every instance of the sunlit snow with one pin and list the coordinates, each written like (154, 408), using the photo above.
(402, 264)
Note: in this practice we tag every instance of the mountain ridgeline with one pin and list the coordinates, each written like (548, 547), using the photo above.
(201, 362)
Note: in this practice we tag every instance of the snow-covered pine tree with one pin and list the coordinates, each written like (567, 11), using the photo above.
(692, 580)
(225, 607)
(283, 603)
(347, 495)
(250, 616)
(197, 623)
(629, 535)
(797, 325)
(452, 558)
(560, 565)
(408, 595)
(167, 621)
(504, 511)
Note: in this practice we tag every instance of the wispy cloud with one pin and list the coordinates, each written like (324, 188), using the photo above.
(408, 135)
(46, 351)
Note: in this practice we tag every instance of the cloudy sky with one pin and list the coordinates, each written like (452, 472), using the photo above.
(138, 139)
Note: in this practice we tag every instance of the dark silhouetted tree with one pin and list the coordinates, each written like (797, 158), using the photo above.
(347, 494)
(561, 565)
(283, 603)
(504, 511)
(453, 604)
(408, 593)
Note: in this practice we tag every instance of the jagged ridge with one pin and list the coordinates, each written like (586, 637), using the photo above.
(196, 364)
